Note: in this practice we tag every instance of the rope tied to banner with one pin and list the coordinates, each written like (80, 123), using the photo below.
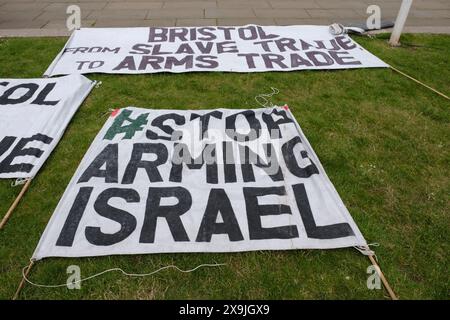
(337, 29)
(26, 270)
(263, 99)
(367, 251)
(19, 182)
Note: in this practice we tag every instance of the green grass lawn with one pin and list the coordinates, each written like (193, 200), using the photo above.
(383, 140)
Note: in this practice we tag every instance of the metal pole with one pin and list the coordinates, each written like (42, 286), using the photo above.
(400, 22)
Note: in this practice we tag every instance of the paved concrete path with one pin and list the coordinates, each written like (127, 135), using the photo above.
(47, 17)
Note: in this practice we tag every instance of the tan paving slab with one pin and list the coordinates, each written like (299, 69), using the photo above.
(386, 6)
(135, 23)
(189, 4)
(19, 16)
(386, 14)
(19, 1)
(196, 22)
(23, 24)
(159, 23)
(59, 15)
(292, 4)
(245, 21)
(119, 14)
(281, 13)
(176, 13)
(420, 22)
(14, 6)
(28, 14)
(61, 24)
(91, 1)
(58, 6)
(334, 13)
(433, 30)
(290, 21)
(431, 4)
(234, 4)
(229, 13)
(415, 13)
(215, 1)
(134, 5)
(8, 33)
(341, 4)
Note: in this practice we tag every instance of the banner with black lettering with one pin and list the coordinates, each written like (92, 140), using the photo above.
(248, 48)
(34, 115)
(218, 180)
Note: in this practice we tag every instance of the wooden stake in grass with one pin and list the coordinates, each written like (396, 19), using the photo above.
(383, 279)
(15, 203)
(420, 82)
(22, 283)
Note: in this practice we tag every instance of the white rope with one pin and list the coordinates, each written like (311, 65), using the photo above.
(338, 29)
(19, 182)
(122, 271)
(367, 251)
(262, 99)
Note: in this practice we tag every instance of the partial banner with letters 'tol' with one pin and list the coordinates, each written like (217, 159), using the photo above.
(34, 115)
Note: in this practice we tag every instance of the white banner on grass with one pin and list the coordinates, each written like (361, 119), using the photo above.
(248, 48)
(34, 115)
(188, 181)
